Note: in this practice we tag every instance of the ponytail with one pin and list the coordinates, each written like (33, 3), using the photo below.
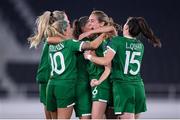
(76, 29)
(115, 25)
(56, 29)
(42, 23)
(137, 25)
(147, 32)
(78, 25)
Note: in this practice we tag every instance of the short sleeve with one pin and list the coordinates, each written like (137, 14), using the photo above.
(112, 45)
(75, 45)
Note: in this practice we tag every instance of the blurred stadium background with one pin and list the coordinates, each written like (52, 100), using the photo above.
(18, 63)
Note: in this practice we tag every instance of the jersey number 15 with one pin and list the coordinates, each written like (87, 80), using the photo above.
(130, 59)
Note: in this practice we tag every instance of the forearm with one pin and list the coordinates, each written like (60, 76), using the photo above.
(94, 44)
(54, 40)
(108, 57)
(106, 73)
(99, 60)
(103, 29)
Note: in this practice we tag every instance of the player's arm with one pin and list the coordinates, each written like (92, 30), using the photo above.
(95, 43)
(56, 39)
(103, 77)
(106, 72)
(103, 29)
(101, 60)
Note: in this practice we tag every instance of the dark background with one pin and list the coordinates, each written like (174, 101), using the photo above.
(160, 68)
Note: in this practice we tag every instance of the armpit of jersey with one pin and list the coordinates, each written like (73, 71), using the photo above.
(111, 49)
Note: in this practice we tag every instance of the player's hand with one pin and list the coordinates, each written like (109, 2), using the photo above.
(115, 32)
(83, 35)
(86, 54)
(94, 82)
(111, 33)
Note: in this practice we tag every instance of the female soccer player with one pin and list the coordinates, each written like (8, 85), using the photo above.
(83, 103)
(126, 54)
(43, 72)
(101, 88)
(61, 86)
(83, 89)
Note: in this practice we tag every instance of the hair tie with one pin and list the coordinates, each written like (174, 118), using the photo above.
(51, 14)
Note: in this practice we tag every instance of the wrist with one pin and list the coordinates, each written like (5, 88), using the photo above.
(104, 35)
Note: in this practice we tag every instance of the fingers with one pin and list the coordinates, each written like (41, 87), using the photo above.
(94, 82)
(83, 35)
(87, 54)
(80, 37)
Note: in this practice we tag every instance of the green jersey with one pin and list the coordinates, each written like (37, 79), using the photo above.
(63, 59)
(82, 65)
(43, 72)
(127, 60)
(95, 70)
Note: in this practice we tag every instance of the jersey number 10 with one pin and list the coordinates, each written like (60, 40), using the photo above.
(54, 63)
(130, 59)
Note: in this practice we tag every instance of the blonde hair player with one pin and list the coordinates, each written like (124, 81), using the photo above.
(43, 72)
(61, 86)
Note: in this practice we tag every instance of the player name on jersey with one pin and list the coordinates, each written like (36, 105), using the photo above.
(54, 48)
(134, 46)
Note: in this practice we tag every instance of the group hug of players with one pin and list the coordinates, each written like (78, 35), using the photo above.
(88, 67)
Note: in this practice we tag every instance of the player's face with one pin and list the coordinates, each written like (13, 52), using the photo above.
(66, 18)
(94, 23)
(87, 27)
(68, 31)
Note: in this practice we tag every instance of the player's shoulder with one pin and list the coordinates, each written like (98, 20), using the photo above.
(70, 41)
(117, 38)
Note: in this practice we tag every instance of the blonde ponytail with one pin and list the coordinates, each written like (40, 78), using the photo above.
(57, 28)
(42, 22)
